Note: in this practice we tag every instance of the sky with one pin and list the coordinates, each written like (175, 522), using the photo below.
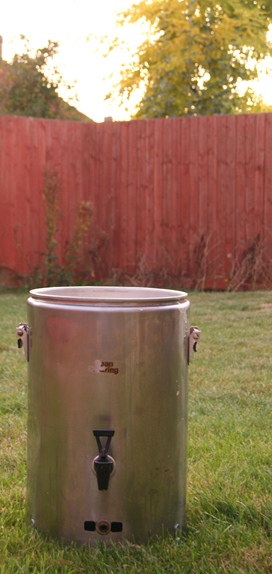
(71, 22)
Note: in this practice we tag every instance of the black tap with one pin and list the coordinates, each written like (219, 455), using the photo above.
(103, 464)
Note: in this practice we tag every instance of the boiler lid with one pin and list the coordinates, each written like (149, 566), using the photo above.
(102, 295)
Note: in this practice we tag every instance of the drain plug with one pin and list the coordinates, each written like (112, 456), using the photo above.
(103, 527)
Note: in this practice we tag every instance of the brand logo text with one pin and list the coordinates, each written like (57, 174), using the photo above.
(103, 367)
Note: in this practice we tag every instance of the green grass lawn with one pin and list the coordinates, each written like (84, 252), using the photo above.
(229, 490)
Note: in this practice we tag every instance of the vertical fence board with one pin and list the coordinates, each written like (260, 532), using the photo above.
(122, 198)
(185, 193)
(240, 185)
(250, 177)
(111, 236)
(223, 190)
(175, 255)
(167, 191)
(98, 192)
(259, 174)
(268, 183)
(15, 228)
(213, 236)
(230, 194)
(138, 203)
(203, 177)
(102, 192)
(105, 175)
(150, 191)
(158, 188)
(177, 265)
(131, 198)
(194, 232)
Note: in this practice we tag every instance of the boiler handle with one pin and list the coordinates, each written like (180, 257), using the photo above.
(192, 341)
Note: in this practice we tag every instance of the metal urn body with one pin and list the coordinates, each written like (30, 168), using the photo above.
(107, 411)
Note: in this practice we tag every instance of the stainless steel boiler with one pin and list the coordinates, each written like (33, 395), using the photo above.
(107, 411)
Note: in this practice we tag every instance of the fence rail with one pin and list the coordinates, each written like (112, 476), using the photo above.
(186, 198)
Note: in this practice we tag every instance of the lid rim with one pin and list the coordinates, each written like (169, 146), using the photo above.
(107, 294)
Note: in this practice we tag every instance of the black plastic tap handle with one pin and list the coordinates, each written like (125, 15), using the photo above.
(103, 464)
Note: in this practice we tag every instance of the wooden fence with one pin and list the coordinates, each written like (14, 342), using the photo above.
(185, 198)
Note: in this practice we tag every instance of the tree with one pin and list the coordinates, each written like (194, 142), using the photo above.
(195, 56)
(29, 86)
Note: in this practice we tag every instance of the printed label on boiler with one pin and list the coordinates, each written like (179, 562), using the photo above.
(103, 367)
